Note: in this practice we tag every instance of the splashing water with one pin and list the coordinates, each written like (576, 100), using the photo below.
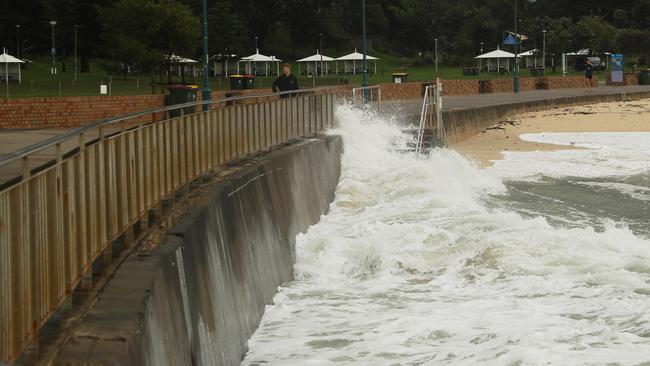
(426, 261)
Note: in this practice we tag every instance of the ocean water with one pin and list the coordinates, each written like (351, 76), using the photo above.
(543, 259)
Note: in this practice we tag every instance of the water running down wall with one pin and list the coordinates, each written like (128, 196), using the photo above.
(197, 299)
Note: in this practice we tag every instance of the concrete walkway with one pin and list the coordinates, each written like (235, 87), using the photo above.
(10, 140)
(485, 100)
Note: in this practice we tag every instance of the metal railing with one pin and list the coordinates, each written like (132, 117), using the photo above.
(57, 220)
(366, 94)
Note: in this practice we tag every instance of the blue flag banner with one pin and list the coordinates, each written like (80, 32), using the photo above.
(509, 40)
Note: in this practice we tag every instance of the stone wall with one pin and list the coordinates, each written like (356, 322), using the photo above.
(413, 90)
(628, 79)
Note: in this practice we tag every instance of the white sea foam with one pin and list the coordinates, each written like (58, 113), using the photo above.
(605, 154)
(409, 267)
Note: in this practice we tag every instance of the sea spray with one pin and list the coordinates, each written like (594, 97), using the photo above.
(416, 264)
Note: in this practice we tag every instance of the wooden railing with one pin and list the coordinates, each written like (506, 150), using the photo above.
(56, 222)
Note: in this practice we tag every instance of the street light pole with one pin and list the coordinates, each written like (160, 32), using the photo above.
(544, 48)
(320, 35)
(18, 40)
(365, 51)
(255, 44)
(435, 41)
(207, 91)
(76, 27)
(516, 79)
(52, 24)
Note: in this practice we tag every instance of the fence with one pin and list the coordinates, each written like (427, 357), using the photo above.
(367, 94)
(55, 222)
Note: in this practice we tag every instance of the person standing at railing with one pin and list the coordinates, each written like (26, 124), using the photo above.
(286, 81)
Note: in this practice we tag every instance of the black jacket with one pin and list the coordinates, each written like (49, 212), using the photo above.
(284, 83)
(589, 71)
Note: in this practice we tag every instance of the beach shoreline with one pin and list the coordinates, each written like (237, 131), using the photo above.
(489, 145)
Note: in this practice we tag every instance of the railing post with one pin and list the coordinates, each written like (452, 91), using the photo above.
(26, 172)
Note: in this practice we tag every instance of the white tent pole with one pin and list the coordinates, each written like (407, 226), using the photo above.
(337, 67)
(6, 72)
(298, 69)
(354, 67)
(375, 67)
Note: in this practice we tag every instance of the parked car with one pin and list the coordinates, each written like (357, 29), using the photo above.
(597, 62)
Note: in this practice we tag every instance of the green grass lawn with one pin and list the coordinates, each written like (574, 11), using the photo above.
(37, 80)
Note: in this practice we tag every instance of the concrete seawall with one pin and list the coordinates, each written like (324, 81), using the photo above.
(462, 124)
(197, 298)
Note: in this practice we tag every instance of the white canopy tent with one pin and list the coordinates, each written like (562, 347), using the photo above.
(582, 52)
(532, 58)
(494, 59)
(179, 62)
(10, 67)
(313, 64)
(221, 66)
(256, 58)
(350, 62)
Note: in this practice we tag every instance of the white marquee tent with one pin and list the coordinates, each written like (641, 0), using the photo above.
(350, 62)
(252, 61)
(178, 63)
(10, 67)
(313, 64)
(532, 58)
(494, 59)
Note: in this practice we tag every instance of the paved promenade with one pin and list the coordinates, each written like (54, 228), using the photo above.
(11, 140)
(484, 100)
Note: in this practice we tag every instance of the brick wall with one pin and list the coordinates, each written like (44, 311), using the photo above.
(628, 79)
(75, 111)
(571, 82)
(71, 111)
(460, 87)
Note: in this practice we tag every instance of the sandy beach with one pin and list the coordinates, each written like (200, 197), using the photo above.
(488, 145)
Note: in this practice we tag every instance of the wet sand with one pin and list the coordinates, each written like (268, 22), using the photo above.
(633, 116)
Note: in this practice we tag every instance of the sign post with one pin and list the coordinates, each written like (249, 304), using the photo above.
(617, 68)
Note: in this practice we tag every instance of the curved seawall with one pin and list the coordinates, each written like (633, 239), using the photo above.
(197, 298)
(463, 123)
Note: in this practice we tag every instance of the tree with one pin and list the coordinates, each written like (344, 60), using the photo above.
(146, 32)
(595, 33)
(226, 28)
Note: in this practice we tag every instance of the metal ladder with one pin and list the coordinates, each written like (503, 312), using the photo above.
(431, 115)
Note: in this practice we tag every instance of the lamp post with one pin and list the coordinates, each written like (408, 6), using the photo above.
(320, 35)
(544, 48)
(365, 51)
(52, 24)
(76, 28)
(207, 91)
(516, 78)
(255, 44)
(435, 41)
(18, 40)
